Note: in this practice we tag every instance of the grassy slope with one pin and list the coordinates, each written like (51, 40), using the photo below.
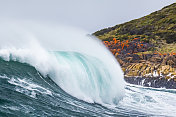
(158, 28)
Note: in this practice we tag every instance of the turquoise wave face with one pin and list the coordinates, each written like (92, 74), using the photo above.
(86, 78)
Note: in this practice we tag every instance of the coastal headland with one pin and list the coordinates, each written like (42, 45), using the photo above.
(145, 48)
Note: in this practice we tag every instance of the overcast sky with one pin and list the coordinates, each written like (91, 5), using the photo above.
(90, 15)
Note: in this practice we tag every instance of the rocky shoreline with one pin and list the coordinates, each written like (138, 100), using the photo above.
(155, 70)
(156, 82)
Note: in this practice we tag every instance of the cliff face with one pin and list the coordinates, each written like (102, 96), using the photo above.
(150, 65)
(136, 60)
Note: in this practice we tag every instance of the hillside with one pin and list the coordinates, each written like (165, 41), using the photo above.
(145, 48)
(158, 28)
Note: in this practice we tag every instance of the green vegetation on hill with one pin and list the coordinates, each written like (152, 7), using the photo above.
(158, 28)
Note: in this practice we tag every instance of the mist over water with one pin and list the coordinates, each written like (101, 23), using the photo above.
(78, 63)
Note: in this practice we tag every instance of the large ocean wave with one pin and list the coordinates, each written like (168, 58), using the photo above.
(81, 66)
(82, 76)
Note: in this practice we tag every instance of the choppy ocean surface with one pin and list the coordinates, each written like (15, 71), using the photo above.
(25, 91)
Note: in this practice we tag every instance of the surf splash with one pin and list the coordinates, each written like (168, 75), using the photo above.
(79, 64)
